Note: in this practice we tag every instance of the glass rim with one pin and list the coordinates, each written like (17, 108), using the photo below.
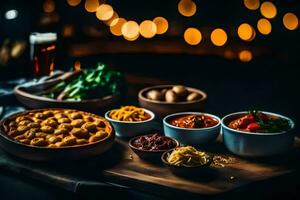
(39, 38)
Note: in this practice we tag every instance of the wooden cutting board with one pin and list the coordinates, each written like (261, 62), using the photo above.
(141, 175)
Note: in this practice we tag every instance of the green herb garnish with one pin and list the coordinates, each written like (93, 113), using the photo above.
(90, 84)
(269, 123)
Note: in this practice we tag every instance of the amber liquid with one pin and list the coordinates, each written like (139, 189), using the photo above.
(43, 57)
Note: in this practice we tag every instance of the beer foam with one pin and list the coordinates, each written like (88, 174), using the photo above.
(40, 38)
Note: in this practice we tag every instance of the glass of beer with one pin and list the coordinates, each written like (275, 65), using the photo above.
(42, 52)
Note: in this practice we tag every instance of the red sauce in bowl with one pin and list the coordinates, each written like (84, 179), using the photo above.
(194, 121)
(259, 122)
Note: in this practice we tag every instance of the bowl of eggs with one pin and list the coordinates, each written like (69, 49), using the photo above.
(167, 99)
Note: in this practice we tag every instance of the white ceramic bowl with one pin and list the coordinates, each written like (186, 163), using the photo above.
(247, 144)
(191, 136)
(131, 129)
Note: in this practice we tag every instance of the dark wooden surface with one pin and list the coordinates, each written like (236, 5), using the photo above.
(137, 175)
(121, 170)
(151, 177)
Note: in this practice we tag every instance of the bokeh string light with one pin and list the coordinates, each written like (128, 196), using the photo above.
(120, 26)
(148, 29)
(131, 30)
(131, 39)
(268, 10)
(246, 32)
(187, 8)
(192, 36)
(264, 26)
(245, 56)
(73, 2)
(91, 5)
(161, 24)
(49, 6)
(104, 12)
(218, 37)
(290, 21)
(252, 4)
(117, 28)
(113, 20)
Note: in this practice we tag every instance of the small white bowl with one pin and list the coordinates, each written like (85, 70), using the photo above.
(192, 136)
(249, 144)
(128, 129)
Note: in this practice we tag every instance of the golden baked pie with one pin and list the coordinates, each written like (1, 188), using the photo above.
(56, 128)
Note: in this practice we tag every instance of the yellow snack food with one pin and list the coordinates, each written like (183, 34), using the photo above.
(57, 128)
(188, 157)
(130, 114)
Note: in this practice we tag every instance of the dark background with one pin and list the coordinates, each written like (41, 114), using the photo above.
(270, 81)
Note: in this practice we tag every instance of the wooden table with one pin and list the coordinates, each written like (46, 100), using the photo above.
(154, 178)
(121, 168)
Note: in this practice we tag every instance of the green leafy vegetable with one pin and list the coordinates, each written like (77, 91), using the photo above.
(90, 84)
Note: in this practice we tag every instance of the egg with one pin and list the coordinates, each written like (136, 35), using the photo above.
(180, 90)
(193, 96)
(171, 96)
(154, 95)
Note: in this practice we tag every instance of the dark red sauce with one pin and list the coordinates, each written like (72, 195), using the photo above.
(194, 121)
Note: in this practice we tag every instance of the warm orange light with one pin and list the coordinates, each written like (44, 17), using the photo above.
(268, 9)
(50, 48)
(116, 29)
(192, 36)
(130, 30)
(113, 20)
(77, 65)
(68, 30)
(245, 56)
(73, 2)
(132, 39)
(218, 37)
(246, 32)
(252, 4)
(148, 29)
(187, 8)
(161, 24)
(253, 35)
(264, 26)
(104, 12)
(49, 6)
(290, 21)
(91, 5)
